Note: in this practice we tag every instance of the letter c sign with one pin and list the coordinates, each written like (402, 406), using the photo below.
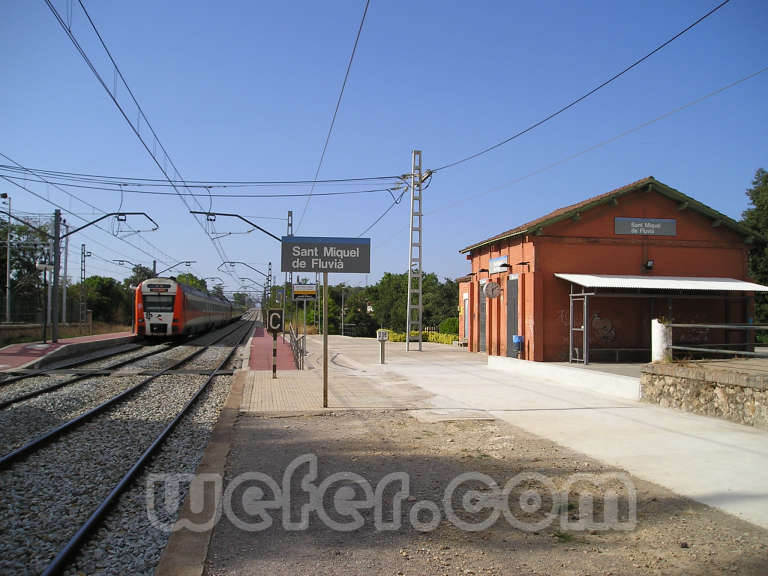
(275, 320)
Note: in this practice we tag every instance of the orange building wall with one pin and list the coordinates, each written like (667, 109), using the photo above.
(589, 245)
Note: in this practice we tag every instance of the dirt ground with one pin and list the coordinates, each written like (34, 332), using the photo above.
(672, 535)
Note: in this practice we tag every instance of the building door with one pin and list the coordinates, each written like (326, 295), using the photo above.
(466, 316)
(511, 311)
(481, 318)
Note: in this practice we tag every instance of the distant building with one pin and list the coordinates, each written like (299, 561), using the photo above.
(584, 281)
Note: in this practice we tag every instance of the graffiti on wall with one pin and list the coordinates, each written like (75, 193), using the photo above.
(603, 331)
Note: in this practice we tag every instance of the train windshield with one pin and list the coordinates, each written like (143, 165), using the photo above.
(158, 303)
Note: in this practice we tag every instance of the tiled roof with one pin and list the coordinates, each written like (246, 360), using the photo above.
(568, 211)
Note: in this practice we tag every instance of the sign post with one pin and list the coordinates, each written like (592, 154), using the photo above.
(324, 254)
(304, 293)
(382, 336)
(274, 325)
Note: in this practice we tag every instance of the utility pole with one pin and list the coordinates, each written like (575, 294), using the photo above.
(8, 268)
(64, 283)
(49, 290)
(288, 278)
(83, 305)
(414, 309)
(56, 266)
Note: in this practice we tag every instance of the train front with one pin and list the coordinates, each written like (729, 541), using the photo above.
(155, 306)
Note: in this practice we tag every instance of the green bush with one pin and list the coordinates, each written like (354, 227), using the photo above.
(426, 337)
(449, 326)
(441, 338)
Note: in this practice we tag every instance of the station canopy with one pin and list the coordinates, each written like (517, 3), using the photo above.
(662, 282)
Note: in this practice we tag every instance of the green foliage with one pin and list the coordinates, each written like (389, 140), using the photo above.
(139, 273)
(449, 326)
(756, 218)
(192, 280)
(28, 246)
(109, 299)
(425, 337)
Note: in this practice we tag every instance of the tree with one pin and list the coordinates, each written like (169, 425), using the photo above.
(109, 299)
(139, 273)
(756, 218)
(218, 290)
(28, 247)
(192, 280)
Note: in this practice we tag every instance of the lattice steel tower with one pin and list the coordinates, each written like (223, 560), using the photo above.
(414, 312)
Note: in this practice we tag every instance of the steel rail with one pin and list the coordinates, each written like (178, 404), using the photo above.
(78, 378)
(21, 375)
(51, 434)
(76, 541)
(84, 375)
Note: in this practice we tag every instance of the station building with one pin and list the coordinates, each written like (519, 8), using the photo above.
(583, 282)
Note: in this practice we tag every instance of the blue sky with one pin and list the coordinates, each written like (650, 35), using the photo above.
(246, 91)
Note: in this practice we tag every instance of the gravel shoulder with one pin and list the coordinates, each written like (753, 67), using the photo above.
(672, 535)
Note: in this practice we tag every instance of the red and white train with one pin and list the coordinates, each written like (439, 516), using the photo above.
(166, 308)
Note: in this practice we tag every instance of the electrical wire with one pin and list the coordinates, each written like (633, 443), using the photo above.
(602, 143)
(140, 181)
(566, 159)
(585, 96)
(196, 194)
(395, 201)
(335, 112)
(96, 208)
(81, 51)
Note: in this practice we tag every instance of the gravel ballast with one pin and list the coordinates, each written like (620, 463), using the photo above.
(48, 495)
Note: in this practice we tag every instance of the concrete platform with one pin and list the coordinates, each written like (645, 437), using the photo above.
(713, 461)
(35, 354)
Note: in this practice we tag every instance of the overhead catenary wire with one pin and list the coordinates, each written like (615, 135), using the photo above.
(197, 194)
(161, 182)
(584, 96)
(603, 143)
(216, 244)
(395, 200)
(42, 179)
(90, 240)
(582, 152)
(335, 112)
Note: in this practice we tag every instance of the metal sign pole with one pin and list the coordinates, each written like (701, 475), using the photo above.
(274, 355)
(325, 339)
(304, 345)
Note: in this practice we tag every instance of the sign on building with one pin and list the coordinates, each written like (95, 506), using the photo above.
(311, 254)
(495, 265)
(646, 226)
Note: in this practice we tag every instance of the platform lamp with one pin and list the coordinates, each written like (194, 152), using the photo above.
(525, 263)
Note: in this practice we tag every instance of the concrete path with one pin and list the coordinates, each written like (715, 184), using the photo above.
(713, 461)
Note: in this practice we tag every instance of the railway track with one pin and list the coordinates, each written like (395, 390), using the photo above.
(79, 468)
(15, 394)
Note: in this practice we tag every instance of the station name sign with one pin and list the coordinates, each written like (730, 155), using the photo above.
(313, 254)
(646, 226)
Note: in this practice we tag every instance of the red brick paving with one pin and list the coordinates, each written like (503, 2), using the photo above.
(261, 352)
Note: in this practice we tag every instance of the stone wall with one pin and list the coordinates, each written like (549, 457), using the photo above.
(735, 390)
